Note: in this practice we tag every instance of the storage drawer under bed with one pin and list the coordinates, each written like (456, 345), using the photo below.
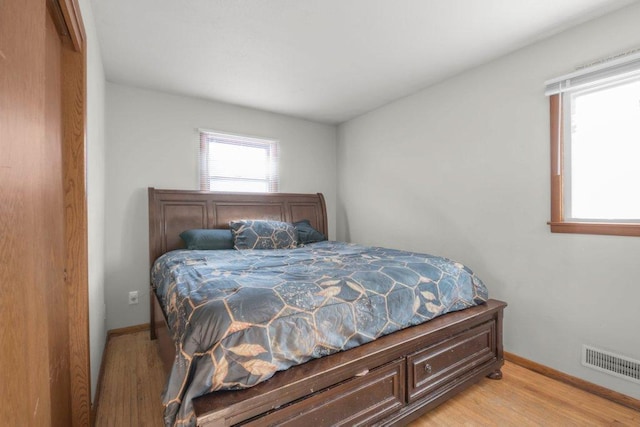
(432, 367)
(361, 400)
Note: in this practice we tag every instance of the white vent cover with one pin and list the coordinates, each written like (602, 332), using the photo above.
(611, 363)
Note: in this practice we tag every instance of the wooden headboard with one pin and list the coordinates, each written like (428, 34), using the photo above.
(173, 211)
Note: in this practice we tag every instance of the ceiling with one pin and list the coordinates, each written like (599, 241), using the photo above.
(323, 60)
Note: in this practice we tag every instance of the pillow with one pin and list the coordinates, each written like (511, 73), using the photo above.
(263, 234)
(207, 239)
(308, 234)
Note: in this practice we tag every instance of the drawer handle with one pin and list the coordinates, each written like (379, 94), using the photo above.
(427, 368)
(362, 373)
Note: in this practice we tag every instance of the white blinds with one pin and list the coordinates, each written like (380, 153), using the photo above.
(614, 70)
(237, 163)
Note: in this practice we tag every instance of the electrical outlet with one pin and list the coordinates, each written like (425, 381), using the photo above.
(133, 297)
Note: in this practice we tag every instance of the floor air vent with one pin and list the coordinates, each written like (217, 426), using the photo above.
(611, 363)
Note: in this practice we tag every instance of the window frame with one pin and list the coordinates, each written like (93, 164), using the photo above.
(208, 136)
(558, 223)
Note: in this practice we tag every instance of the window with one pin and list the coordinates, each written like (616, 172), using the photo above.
(595, 149)
(237, 163)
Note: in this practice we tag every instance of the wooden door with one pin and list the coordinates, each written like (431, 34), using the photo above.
(44, 371)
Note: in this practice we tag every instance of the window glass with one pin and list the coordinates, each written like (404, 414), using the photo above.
(603, 153)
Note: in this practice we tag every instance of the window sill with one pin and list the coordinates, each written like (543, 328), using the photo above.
(620, 229)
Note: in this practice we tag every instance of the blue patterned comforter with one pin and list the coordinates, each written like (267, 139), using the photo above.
(237, 317)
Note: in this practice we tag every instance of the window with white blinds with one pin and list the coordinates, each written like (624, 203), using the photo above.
(238, 163)
(595, 149)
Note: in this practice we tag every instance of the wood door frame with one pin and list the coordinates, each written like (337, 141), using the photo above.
(68, 20)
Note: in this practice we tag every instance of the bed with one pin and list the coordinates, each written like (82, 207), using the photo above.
(383, 370)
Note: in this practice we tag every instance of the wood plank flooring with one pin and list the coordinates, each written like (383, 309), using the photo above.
(133, 381)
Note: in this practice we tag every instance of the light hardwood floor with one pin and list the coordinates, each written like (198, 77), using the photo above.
(133, 380)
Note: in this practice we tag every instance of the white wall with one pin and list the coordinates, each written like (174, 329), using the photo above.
(461, 169)
(152, 141)
(95, 193)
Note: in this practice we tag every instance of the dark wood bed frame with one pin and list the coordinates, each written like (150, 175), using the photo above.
(390, 381)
